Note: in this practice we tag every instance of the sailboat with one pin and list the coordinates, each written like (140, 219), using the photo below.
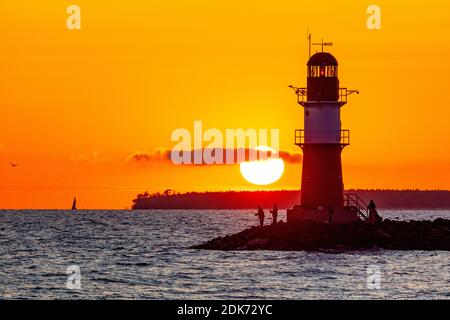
(74, 204)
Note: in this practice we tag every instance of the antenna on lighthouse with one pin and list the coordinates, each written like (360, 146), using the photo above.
(310, 43)
(308, 36)
(323, 44)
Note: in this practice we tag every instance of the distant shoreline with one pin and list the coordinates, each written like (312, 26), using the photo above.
(229, 200)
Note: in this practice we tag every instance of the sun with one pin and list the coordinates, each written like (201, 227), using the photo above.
(263, 172)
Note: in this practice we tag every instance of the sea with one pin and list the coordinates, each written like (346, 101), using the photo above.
(106, 254)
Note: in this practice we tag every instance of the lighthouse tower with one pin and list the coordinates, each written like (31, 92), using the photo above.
(322, 141)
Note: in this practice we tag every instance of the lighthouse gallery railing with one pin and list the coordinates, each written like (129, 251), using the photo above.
(301, 138)
(302, 94)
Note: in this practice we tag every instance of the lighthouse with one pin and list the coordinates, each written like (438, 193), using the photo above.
(322, 141)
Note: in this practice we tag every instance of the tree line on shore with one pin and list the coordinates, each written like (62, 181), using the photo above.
(387, 199)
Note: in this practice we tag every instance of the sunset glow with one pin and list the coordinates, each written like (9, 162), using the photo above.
(76, 104)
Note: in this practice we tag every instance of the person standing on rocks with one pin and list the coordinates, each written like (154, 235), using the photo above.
(274, 213)
(372, 212)
(260, 215)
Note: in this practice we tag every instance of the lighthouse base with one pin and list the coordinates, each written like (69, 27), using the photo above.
(340, 215)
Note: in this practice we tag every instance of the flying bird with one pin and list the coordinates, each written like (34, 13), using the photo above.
(13, 164)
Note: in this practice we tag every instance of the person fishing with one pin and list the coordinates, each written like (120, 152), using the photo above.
(274, 213)
(260, 215)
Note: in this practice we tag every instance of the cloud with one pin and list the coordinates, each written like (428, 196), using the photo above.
(291, 156)
(157, 156)
(164, 155)
(91, 159)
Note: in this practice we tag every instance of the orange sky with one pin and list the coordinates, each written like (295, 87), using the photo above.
(75, 104)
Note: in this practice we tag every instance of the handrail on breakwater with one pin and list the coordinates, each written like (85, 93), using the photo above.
(353, 200)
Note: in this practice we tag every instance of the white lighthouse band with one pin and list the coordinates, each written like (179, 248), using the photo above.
(322, 123)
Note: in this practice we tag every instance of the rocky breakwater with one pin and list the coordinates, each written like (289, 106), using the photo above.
(311, 236)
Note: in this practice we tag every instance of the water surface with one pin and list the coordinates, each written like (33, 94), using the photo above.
(144, 255)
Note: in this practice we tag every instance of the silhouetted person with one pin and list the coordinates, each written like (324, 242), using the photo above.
(260, 215)
(274, 213)
(330, 214)
(373, 215)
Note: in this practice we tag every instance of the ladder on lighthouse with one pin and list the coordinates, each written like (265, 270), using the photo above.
(354, 202)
